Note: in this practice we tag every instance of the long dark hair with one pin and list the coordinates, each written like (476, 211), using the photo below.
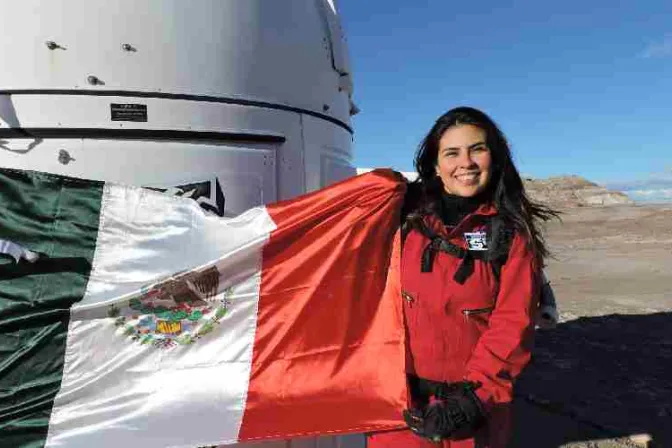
(505, 188)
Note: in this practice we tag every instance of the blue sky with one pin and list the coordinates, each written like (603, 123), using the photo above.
(578, 87)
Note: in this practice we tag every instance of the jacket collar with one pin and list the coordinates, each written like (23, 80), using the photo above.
(434, 222)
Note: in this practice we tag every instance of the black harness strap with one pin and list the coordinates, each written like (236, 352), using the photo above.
(466, 268)
(496, 258)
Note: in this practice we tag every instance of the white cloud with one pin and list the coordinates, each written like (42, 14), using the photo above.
(667, 193)
(658, 49)
(659, 195)
(654, 181)
(656, 187)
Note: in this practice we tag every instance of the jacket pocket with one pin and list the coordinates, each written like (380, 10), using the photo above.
(477, 321)
(425, 325)
(410, 306)
(477, 311)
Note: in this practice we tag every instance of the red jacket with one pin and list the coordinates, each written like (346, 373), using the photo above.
(462, 332)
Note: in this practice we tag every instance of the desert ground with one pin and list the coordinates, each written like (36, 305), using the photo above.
(605, 373)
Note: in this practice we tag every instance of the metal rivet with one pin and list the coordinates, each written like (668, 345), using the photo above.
(64, 157)
(53, 45)
(94, 80)
(128, 47)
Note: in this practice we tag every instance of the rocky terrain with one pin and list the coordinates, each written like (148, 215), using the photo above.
(573, 191)
(603, 378)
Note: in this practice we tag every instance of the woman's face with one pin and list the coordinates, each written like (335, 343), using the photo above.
(464, 162)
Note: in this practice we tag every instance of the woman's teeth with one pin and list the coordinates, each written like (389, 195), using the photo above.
(467, 177)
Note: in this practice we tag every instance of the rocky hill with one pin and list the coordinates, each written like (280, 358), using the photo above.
(561, 191)
(573, 191)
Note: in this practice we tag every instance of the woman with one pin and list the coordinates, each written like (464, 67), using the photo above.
(471, 272)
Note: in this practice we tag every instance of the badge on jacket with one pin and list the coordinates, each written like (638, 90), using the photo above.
(476, 240)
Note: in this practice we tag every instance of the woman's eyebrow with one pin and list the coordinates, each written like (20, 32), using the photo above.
(457, 148)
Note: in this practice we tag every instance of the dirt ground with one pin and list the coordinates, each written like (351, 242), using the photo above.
(605, 373)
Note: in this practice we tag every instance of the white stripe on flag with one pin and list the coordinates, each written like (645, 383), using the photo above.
(118, 392)
(145, 235)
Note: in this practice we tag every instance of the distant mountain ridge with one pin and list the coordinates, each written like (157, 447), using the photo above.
(573, 191)
(561, 191)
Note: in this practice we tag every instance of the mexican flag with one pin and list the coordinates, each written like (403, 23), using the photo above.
(129, 317)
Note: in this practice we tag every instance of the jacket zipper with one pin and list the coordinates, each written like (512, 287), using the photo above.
(471, 312)
(408, 298)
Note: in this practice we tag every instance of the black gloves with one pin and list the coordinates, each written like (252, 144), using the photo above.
(456, 414)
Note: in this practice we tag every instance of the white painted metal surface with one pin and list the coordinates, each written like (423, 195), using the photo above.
(254, 93)
(273, 51)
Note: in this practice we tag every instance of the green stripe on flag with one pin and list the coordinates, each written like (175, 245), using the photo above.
(57, 217)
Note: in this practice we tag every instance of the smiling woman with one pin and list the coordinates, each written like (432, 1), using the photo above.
(471, 276)
(464, 162)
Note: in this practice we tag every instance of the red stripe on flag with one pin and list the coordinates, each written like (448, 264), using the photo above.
(329, 348)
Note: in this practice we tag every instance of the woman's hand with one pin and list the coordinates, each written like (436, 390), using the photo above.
(457, 413)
